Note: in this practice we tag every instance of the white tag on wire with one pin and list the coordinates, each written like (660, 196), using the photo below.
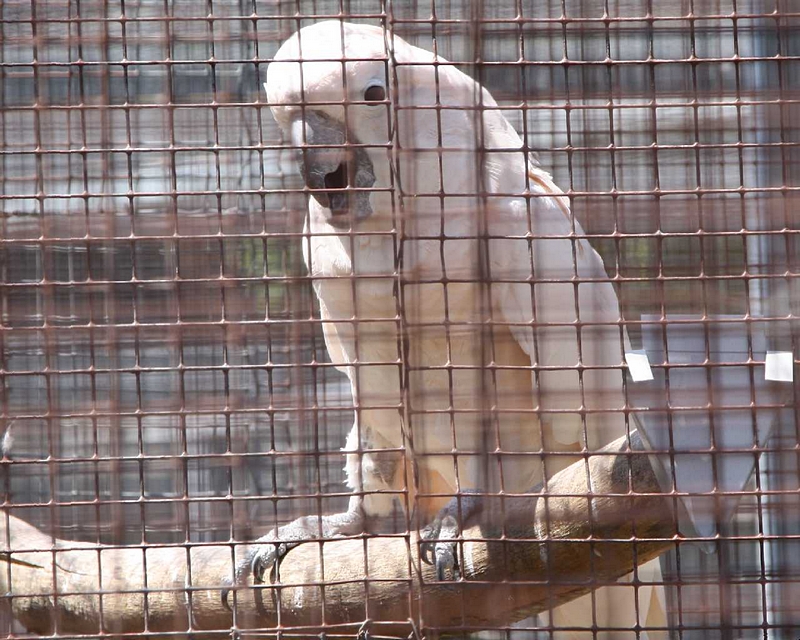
(639, 366)
(779, 366)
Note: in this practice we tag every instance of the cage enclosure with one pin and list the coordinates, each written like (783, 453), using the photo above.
(527, 270)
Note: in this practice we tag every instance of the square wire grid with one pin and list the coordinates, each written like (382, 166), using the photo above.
(162, 366)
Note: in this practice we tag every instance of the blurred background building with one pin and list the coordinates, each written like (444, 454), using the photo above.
(154, 310)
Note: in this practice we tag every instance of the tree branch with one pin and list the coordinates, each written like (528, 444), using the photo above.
(553, 552)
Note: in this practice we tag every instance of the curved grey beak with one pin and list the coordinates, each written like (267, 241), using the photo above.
(331, 170)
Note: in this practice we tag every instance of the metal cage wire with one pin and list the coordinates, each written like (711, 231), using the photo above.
(165, 380)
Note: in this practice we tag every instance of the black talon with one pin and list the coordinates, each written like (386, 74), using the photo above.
(274, 572)
(238, 579)
(438, 546)
(430, 537)
(427, 549)
(426, 552)
(225, 594)
(257, 567)
(268, 551)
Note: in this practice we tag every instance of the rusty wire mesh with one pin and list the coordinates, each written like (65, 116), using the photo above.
(164, 375)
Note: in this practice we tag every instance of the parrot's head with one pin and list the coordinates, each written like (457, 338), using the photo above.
(333, 107)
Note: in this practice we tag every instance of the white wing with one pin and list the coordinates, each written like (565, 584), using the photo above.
(551, 288)
(563, 311)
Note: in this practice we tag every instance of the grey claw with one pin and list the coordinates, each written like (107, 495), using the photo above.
(446, 561)
(446, 549)
(439, 547)
(225, 593)
(269, 559)
(267, 555)
(427, 548)
(427, 553)
(267, 552)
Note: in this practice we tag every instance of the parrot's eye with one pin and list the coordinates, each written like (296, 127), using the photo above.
(375, 93)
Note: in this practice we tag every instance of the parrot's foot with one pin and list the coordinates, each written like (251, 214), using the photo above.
(439, 548)
(270, 550)
(439, 537)
(267, 556)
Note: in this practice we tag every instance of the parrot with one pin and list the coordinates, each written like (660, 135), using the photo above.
(478, 328)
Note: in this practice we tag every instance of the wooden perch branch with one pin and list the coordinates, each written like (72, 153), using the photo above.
(146, 589)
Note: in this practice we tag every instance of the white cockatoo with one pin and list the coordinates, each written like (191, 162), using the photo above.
(456, 293)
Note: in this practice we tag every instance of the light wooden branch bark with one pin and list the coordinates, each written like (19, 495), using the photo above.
(103, 588)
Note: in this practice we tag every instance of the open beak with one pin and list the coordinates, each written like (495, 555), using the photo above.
(331, 170)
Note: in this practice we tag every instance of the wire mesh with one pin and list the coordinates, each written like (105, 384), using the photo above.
(165, 377)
